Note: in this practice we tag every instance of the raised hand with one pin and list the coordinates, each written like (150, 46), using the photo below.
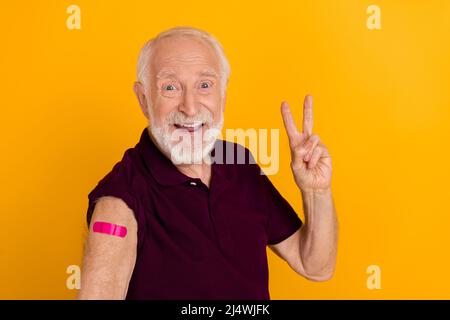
(310, 160)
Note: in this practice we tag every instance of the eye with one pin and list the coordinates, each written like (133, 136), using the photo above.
(205, 85)
(169, 87)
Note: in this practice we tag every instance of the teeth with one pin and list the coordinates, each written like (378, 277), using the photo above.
(190, 125)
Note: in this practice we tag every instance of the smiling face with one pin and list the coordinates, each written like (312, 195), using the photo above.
(187, 97)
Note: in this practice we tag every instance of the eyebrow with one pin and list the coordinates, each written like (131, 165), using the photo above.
(166, 74)
(171, 74)
(209, 73)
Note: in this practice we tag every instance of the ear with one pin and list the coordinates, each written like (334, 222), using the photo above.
(138, 89)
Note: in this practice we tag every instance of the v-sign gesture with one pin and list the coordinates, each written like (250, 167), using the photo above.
(312, 249)
(310, 160)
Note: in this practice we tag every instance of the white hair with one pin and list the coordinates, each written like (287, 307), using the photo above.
(146, 51)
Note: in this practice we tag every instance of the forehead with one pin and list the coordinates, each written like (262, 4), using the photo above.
(179, 53)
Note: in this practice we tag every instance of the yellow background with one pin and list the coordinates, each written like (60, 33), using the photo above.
(381, 105)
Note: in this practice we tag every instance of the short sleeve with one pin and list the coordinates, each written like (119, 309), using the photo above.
(282, 221)
(118, 190)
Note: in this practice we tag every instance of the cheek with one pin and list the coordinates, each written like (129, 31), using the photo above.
(213, 103)
(163, 107)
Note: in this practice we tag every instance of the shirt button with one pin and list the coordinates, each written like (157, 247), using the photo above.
(193, 183)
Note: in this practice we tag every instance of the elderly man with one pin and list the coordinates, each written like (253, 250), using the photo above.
(173, 220)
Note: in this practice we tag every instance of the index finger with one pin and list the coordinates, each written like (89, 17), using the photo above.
(308, 115)
(288, 121)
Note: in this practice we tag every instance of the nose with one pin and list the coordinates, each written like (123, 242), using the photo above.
(188, 104)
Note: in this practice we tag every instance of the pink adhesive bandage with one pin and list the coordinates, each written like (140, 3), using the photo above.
(110, 228)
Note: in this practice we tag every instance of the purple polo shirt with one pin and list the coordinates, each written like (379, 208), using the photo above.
(196, 242)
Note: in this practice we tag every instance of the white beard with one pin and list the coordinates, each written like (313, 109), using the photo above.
(184, 147)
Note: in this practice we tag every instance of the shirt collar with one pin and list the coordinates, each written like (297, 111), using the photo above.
(164, 171)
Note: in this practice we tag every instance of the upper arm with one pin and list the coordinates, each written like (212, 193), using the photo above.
(289, 250)
(109, 260)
